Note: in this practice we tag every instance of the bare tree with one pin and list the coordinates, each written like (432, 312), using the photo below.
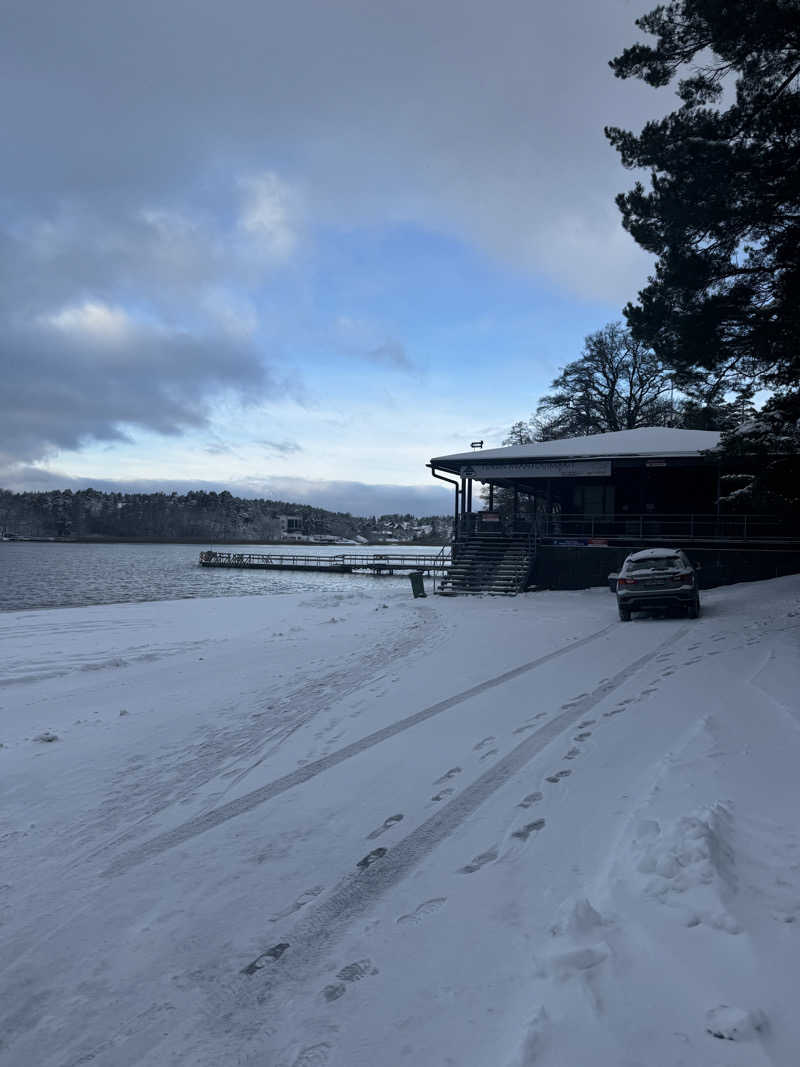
(617, 384)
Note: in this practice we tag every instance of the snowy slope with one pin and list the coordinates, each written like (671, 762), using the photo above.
(325, 830)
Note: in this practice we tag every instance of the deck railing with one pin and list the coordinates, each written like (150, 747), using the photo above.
(650, 526)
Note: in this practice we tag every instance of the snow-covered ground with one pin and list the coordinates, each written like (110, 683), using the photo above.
(352, 830)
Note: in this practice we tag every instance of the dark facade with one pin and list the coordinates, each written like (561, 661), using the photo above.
(613, 492)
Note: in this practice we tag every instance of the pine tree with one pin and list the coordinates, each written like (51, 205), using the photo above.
(722, 214)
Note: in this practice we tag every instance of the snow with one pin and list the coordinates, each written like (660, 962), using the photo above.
(653, 553)
(326, 830)
(645, 441)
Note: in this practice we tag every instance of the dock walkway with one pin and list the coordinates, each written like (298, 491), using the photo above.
(339, 564)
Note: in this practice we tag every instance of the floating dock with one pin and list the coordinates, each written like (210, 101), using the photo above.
(389, 563)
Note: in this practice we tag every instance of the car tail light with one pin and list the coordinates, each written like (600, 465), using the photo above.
(626, 581)
(686, 576)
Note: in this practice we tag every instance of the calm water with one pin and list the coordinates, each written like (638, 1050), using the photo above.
(44, 575)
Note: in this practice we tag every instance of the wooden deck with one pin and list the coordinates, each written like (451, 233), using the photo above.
(388, 563)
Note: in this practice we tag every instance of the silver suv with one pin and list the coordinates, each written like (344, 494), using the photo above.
(657, 578)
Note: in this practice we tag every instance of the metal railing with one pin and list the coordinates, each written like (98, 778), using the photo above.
(692, 527)
(375, 562)
(649, 526)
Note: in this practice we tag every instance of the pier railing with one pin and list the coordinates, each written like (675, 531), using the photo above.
(344, 563)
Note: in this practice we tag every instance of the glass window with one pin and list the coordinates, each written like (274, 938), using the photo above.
(655, 563)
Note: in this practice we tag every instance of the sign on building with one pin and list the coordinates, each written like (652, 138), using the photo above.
(558, 468)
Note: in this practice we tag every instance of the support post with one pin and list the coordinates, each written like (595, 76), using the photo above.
(491, 496)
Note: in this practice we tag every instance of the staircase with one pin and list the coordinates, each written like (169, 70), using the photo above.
(490, 563)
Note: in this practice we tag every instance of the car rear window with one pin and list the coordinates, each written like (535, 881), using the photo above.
(654, 563)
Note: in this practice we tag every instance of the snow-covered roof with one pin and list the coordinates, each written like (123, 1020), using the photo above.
(645, 441)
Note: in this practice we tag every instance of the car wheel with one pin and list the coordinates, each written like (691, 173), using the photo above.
(694, 609)
(624, 614)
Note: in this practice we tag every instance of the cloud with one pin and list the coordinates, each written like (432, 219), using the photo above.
(480, 120)
(357, 498)
(270, 215)
(140, 320)
(280, 448)
(370, 340)
(91, 374)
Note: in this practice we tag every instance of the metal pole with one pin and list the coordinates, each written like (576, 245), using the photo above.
(491, 496)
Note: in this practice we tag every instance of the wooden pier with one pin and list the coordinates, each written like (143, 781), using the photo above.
(389, 563)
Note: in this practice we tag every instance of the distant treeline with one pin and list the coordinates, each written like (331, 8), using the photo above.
(195, 516)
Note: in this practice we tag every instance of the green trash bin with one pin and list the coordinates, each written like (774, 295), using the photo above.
(417, 584)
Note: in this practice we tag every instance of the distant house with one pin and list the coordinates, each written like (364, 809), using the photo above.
(291, 526)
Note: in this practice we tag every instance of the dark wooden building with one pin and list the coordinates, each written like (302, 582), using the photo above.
(630, 489)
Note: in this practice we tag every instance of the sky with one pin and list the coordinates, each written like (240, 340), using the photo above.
(295, 250)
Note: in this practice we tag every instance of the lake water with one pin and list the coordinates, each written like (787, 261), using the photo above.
(46, 575)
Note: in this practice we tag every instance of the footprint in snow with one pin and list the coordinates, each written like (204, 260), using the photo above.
(482, 744)
(573, 752)
(583, 736)
(525, 831)
(586, 722)
(261, 961)
(487, 755)
(479, 861)
(313, 1056)
(614, 711)
(305, 897)
(555, 778)
(387, 825)
(447, 775)
(530, 800)
(370, 858)
(428, 907)
(353, 972)
(443, 793)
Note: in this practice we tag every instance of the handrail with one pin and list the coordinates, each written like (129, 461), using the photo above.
(442, 567)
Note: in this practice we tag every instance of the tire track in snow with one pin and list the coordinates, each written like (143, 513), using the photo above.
(313, 935)
(211, 819)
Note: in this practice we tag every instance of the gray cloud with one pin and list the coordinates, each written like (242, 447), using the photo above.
(168, 160)
(358, 498)
(482, 120)
(280, 448)
(63, 388)
(107, 324)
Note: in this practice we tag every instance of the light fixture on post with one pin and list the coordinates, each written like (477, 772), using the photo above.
(476, 444)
